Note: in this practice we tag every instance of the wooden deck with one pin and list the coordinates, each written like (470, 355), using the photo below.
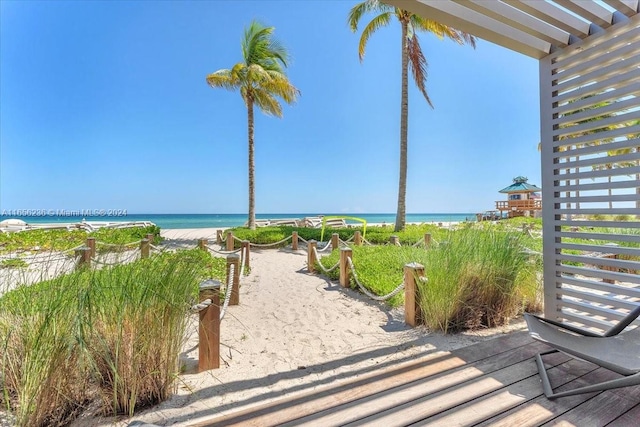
(494, 383)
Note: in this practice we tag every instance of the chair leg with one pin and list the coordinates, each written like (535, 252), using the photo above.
(630, 380)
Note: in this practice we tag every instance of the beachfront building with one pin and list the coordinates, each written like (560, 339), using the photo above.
(589, 78)
(523, 199)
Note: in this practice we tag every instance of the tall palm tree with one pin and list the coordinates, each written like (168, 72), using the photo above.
(412, 57)
(261, 79)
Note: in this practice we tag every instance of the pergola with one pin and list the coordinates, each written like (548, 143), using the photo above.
(589, 59)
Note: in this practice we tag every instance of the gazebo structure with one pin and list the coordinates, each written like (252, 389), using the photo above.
(589, 62)
(523, 199)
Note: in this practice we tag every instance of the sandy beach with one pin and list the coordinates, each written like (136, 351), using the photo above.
(292, 332)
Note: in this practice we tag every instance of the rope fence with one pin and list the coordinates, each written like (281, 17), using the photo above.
(322, 267)
(365, 291)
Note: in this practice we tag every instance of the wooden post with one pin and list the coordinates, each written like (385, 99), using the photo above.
(357, 238)
(235, 280)
(219, 237)
(91, 244)
(151, 237)
(335, 241)
(209, 330)
(202, 244)
(311, 255)
(144, 248)
(427, 240)
(394, 240)
(345, 271)
(246, 250)
(230, 244)
(412, 312)
(294, 240)
(85, 257)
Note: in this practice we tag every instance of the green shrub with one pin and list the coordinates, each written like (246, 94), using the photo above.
(476, 277)
(481, 278)
(61, 240)
(113, 333)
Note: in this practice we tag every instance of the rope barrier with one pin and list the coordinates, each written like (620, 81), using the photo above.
(222, 252)
(157, 248)
(114, 245)
(325, 247)
(322, 267)
(227, 295)
(268, 245)
(243, 263)
(74, 249)
(364, 290)
(201, 306)
(365, 241)
(418, 243)
(133, 256)
(528, 251)
(303, 240)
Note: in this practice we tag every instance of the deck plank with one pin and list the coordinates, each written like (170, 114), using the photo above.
(628, 419)
(603, 408)
(299, 405)
(541, 410)
(432, 404)
(512, 396)
(494, 383)
(407, 393)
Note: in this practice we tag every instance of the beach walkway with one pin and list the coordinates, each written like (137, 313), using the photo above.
(494, 383)
(300, 350)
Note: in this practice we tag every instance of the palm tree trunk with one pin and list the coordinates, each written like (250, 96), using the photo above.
(404, 118)
(252, 188)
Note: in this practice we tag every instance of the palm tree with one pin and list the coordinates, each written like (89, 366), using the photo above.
(261, 79)
(413, 57)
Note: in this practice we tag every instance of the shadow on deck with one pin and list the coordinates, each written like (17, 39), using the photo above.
(493, 383)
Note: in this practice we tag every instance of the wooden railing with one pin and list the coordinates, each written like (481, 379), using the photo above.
(519, 205)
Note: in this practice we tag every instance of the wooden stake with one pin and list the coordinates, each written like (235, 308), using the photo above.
(427, 240)
(91, 244)
(230, 244)
(335, 241)
(219, 237)
(294, 240)
(311, 255)
(394, 240)
(209, 330)
(345, 271)
(412, 311)
(144, 248)
(357, 238)
(85, 257)
(202, 244)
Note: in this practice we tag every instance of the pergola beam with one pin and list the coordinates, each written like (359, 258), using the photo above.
(471, 21)
(508, 14)
(627, 7)
(589, 10)
(553, 15)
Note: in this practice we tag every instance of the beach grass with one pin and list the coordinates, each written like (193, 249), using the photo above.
(61, 240)
(477, 276)
(111, 336)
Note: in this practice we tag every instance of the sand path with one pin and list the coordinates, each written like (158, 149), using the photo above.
(293, 331)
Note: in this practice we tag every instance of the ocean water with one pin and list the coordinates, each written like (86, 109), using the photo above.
(166, 221)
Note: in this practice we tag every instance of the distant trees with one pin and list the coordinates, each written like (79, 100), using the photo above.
(412, 57)
(260, 78)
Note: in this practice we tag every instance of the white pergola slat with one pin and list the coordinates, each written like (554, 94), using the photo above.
(589, 63)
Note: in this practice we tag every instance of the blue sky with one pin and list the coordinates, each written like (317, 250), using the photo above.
(104, 105)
